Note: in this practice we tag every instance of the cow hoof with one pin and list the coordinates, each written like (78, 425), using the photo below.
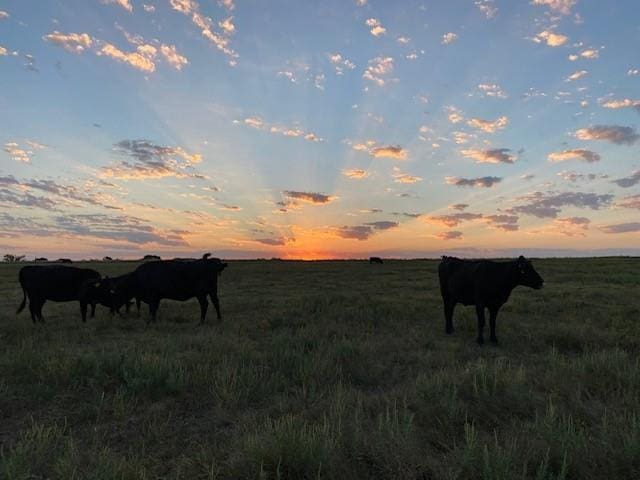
(450, 331)
(494, 340)
(480, 341)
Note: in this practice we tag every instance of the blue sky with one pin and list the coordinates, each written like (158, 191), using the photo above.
(319, 129)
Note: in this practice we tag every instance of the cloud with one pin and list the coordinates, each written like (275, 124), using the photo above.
(459, 206)
(453, 220)
(633, 72)
(625, 103)
(355, 173)
(485, 182)
(275, 242)
(630, 227)
(454, 115)
(451, 235)
(571, 226)
(632, 201)
(575, 177)
(560, 6)
(496, 155)
(590, 54)
(611, 133)
(143, 58)
(402, 40)
(389, 151)
(378, 69)
(629, 181)
(22, 153)
(488, 125)
(172, 56)
(340, 63)
(309, 197)
(487, 8)
(575, 154)
(119, 228)
(276, 129)
(3, 52)
(147, 160)
(363, 232)
(227, 26)
(126, 4)
(205, 25)
(548, 205)
(576, 75)
(550, 38)
(3, 15)
(148, 8)
(405, 177)
(376, 27)
(507, 223)
(491, 90)
(361, 3)
(72, 42)
(449, 38)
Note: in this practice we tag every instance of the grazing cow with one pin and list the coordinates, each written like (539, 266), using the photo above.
(174, 280)
(485, 284)
(58, 284)
(64, 260)
(375, 260)
(104, 292)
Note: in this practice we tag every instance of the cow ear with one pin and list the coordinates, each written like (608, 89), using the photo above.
(521, 258)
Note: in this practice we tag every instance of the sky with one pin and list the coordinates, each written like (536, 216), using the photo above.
(312, 130)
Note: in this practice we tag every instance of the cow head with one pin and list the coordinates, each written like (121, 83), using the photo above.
(527, 275)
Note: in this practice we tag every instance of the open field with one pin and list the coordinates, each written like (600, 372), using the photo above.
(330, 370)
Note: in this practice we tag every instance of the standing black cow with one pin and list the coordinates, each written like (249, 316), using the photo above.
(58, 284)
(375, 260)
(485, 284)
(104, 292)
(172, 279)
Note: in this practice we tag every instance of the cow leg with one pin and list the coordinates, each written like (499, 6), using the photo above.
(33, 309)
(153, 309)
(93, 310)
(38, 309)
(493, 315)
(204, 306)
(216, 303)
(83, 311)
(138, 305)
(480, 313)
(448, 316)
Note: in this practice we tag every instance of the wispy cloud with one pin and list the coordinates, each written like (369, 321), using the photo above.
(146, 160)
(294, 130)
(630, 181)
(487, 7)
(485, 182)
(22, 153)
(624, 103)
(126, 4)
(205, 24)
(448, 38)
(451, 235)
(309, 197)
(576, 75)
(617, 134)
(550, 38)
(632, 201)
(489, 126)
(495, 155)
(630, 227)
(378, 70)
(72, 42)
(549, 205)
(340, 63)
(400, 177)
(575, 154)
(355, 173)
(376, 27)
(491, 90)
(363, 232)
(560, 6)
(3, 15)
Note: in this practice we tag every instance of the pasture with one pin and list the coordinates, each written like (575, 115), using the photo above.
(335, 369)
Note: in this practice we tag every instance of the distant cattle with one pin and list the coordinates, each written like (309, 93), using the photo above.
(104, 292)
(151, 257)
(41, 259)
(174, 280)
(58, 284)
(485, 284)
(375, 260)
(64, 260)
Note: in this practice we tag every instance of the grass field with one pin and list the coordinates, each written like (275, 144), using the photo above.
(329, 370)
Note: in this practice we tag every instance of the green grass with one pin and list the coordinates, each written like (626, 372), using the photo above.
(329, 370)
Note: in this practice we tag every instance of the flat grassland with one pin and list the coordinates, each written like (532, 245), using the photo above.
(335, 369)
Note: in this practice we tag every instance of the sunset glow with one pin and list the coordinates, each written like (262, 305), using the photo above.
(313, 130)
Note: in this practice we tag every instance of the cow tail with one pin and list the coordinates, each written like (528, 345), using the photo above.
(24, 301)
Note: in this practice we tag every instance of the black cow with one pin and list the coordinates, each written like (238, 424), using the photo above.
(172, 279)
(485, 284)
(58, 284)
(375, 260)
(104, 293)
